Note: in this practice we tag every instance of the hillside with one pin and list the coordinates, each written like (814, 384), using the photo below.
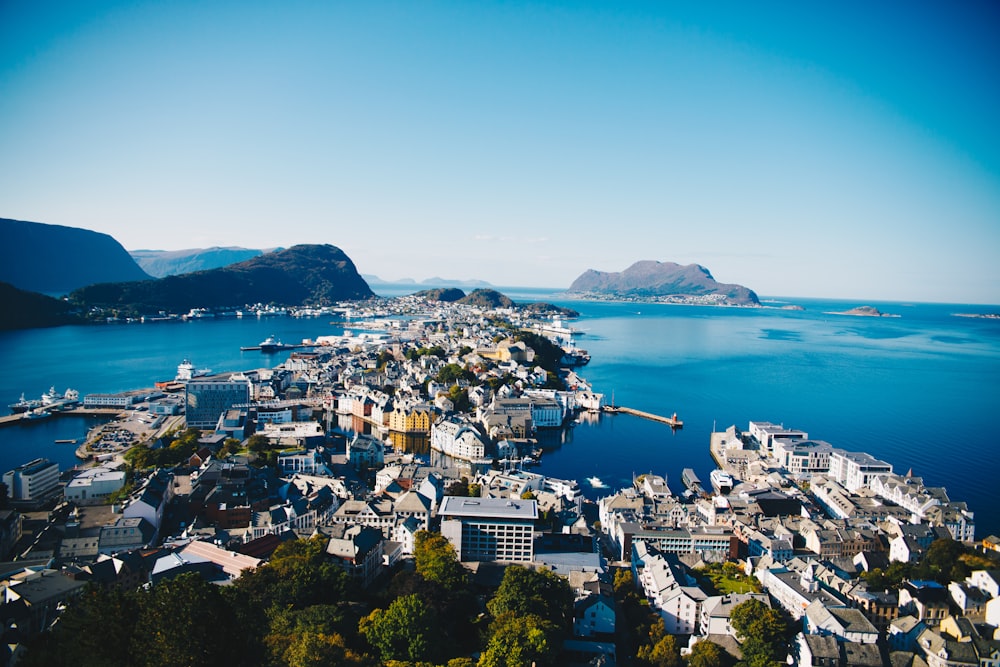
(27, 310)
(55, 260)
(301, 275)
(487, 298)
(163, 263)
(651, 279)
(446, 294)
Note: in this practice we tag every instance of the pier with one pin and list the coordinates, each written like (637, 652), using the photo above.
(672, 422)
(7, 420)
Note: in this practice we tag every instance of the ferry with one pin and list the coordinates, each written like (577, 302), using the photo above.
(721, 480)
(691, 481)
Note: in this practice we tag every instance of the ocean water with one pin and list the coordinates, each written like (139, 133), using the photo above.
(919, 390)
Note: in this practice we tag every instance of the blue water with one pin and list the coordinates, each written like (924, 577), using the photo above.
(918, 391)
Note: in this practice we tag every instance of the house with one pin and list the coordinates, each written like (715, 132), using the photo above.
(365, 451)
(716, 609)
(929, 601)
(669, 587)
(594, 612)
(357, 549)
(843, 623)
(150, 502)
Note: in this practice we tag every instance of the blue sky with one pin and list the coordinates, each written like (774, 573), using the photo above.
(843, 150)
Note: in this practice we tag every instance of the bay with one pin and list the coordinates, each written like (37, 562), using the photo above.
(918, 390)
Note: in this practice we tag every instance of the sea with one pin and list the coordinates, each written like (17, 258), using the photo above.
(919, 389)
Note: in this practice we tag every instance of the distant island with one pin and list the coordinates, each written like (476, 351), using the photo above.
(163, 263)
(979, 316)
(662, 282)
(863, 311)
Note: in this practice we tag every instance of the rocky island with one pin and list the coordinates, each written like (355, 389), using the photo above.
(662, 282)
(863, 311)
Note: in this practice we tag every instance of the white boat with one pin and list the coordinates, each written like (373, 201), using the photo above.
(596, 482)
(722, 481)
(187, 371)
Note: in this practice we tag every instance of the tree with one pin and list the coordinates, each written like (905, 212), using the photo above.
(407, 630)
(706, 654)
(761, 631)
(541, 593)
(661, 650)
(521, 641)
(623, 581)
(183, 621)
(437, 561)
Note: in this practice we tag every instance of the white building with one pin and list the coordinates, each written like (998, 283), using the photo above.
(93, 485)
(856, 470)
(33, 480)
(458, 440)
(489, 529)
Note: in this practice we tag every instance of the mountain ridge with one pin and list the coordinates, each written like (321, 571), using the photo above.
(662, 280)
(56, 259)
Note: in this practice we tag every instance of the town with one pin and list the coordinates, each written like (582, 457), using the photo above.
(383, 481)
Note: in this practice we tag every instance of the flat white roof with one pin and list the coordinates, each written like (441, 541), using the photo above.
(489, 508)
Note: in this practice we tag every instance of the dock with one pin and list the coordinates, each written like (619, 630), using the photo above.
(672, 422)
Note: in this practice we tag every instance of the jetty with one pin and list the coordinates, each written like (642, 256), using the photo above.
(672, 421)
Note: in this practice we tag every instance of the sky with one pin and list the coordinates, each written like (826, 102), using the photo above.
(841, 150)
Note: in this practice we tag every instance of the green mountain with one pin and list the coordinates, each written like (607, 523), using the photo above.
(446, 294)
(55, 260)
(301, 275)
(487, 298)
(27, 310)
(650, 279)
(163, 263)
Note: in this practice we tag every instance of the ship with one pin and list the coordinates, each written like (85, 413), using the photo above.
(187, 371)
(23, 405)
(722, 481)
(573, 356)
(691, 481)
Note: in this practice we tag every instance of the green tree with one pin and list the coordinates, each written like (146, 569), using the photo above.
(706, 654)
(407, 630)
(437, 561)
(311, 649)
(541, 593)
(623, 581)
(661, 650)
(521, 641)
(183, 621)
(95, 631)
(761, 631)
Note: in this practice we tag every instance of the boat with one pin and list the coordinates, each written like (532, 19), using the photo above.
(272, 344)
(66, 441)
(23, 405)
(187, 371)
(721, 480)
(691, 481)
(574, 357)
(596, 482)
(36, 414)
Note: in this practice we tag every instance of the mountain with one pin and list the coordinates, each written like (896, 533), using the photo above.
(27, 310)
(163, 263)
(300, 275)
(487, 298)
(446, 294)
(53, 259)
(651, 279)
(445, 282)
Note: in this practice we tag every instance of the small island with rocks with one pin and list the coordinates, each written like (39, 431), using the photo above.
(863, 311)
